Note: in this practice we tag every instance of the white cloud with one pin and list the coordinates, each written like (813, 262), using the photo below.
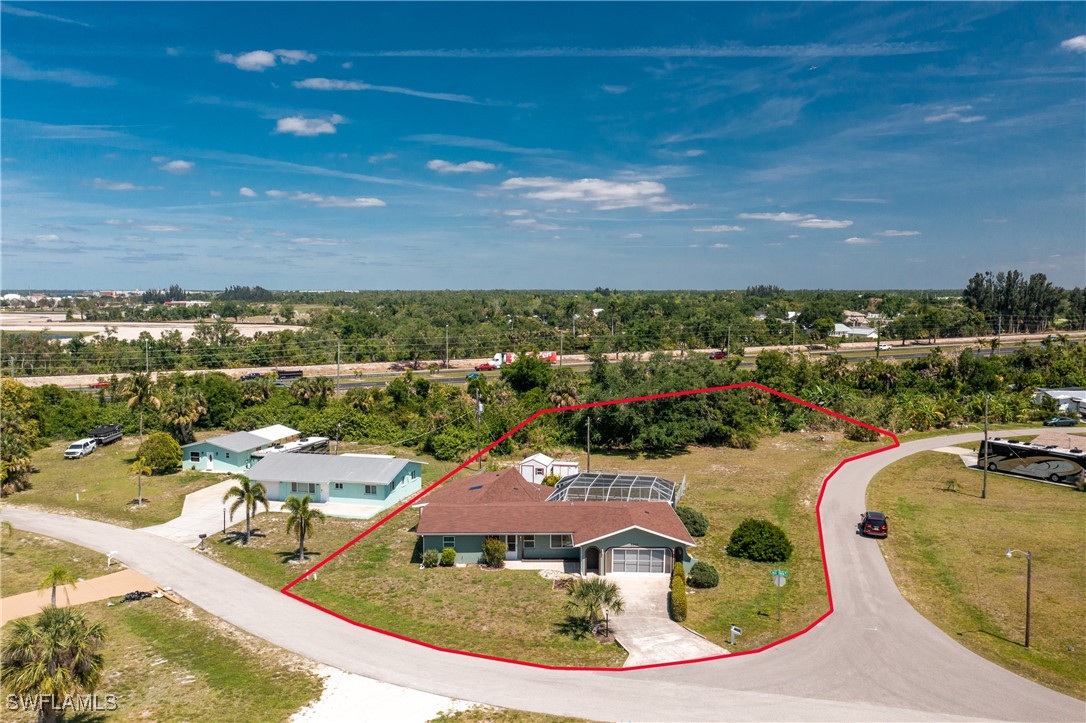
(792, 235)
(348, 65)
(716, 229)
(159, 159)
(13, 67)
(791, 217)
(695, 246)
(892, 232)
(614, 89)
(632, 235)
(857, 241)
(116, 222)
(334, 84)
(720, 246)
(379, 157)
(516, 212)
(822, 223)
(174, 52)
(316, 241)
(954, 113)
(47, 237)
(259, 60)
(602, 194)
(177, 167)
(160, 228)
(1076, 44)
(301, 126)
(247, 192)
(105, 185)
(469, 167)
(327, 201)
(847, 199)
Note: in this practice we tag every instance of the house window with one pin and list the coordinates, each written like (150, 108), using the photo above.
(338, 485)
(228, 455)
(371, 489)
(448, 541)
(558, 541)
(194, 456)
(303, 488)
(529, 541)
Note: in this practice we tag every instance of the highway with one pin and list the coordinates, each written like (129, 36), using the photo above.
(874, 658)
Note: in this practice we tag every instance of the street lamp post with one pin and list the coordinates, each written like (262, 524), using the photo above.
(1029, 575)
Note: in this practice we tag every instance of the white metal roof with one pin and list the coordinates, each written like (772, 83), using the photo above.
(275, 432)
(318, 468)
(538, 457)
(235, 442)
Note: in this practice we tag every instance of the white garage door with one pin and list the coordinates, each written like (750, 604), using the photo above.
(639, 559)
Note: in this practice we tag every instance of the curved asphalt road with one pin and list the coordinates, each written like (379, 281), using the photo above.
(875, 658)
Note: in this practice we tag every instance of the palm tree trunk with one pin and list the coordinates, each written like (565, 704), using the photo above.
(139, 488)
(247, 533)
(301, 543)
(53, 596)
(141, 425)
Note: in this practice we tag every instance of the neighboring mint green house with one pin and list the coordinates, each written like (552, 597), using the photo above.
(234, 453)
(374, 481)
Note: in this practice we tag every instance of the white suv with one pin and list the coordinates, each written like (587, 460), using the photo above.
(80, 448)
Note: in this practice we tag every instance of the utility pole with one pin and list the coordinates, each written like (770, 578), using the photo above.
(446, 346)
(561, 338)
(728, 341)
(146, 357)
(478, 421)
(337, 367)
(984, 488)
(588, 443)
(793, 339)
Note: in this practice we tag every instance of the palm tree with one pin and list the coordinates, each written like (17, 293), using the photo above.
(139, 391)
(59, 575)
(53, 655)
(181, 412)
(140, 468)
(255, 391)
(250, 494)
(302, 517)
(590, 597)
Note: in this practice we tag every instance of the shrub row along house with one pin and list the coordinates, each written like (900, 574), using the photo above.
(605, 530)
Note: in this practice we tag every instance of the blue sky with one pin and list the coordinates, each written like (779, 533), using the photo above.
(541, 145)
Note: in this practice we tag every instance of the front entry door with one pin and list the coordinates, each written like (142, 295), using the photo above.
(511, 547)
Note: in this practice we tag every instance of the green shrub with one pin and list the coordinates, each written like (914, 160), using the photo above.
(161, 452)
(430, 558)
(703, 575)
(494, 552)
(448, 557)
(551, 480)
(760, 541)
(856, 433)
(677, 599)
(694, 521)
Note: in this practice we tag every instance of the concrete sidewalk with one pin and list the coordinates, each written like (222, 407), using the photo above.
(93, 590)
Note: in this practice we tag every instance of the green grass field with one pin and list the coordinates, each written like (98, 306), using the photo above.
(27, 558)
(946, 551)
(100, 487)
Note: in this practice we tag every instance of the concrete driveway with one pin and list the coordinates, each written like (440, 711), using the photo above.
(645, 629)
(201, 513)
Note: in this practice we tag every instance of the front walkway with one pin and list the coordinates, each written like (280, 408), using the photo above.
(646, 631)
(93, 590)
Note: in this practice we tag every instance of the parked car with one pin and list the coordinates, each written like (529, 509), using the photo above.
(99, 385)
(883, 347)
(1060, 422)
(719, 355)
(251, 375)
(474, 375)
(485, 367)
(874, 524)
(80, 448)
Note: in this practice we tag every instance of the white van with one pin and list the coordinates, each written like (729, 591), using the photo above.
(80, 448)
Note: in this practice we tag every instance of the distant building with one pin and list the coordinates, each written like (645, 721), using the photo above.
(854, 332)
(1071, 400)
(234, 453)
(372, 480)
(539, 466)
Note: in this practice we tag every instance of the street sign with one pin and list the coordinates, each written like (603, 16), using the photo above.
(779, 581)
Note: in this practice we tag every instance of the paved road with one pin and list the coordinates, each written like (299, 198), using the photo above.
(875, 658)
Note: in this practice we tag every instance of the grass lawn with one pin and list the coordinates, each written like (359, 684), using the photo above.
(779, 481)
(106, 490)
(376, 583)
(946, 553)
(486, 714)
(167, 662)
(27, 558)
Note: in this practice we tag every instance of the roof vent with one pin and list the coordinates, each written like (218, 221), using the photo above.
(476, 487)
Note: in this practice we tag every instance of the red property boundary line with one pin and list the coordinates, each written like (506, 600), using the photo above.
(286, 590)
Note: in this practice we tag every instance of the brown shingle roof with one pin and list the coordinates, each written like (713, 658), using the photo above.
(585, 521)
(487, 488)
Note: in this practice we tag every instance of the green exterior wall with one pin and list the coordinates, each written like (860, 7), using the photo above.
(222, 460)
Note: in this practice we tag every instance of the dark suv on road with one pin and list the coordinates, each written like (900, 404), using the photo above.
(873, 524)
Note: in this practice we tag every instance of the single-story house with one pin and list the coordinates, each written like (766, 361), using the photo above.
(605, 537)
(233, 453)
(375, 480)
(854, 332)
(1071, 400)
(487, 488)
(539, 466)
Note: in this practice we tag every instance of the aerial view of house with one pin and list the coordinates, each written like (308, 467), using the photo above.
(355, 479)
(604, 537)
(233, 453)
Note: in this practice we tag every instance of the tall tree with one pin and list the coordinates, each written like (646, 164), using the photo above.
(140, 392)
(18, 436)
(52, 656)
(58, 575)
(248, 494)
(140, 467)
(302, 518)
(181, 412)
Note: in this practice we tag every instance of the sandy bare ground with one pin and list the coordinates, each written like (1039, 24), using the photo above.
(93, 590)
(126, 330)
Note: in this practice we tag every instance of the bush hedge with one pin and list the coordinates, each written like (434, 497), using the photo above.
(448, 557)
(161, 452)
(494, 552)
(759, 541)
(431, 558)
(694, 521)
(677, 608)
(703, 575)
